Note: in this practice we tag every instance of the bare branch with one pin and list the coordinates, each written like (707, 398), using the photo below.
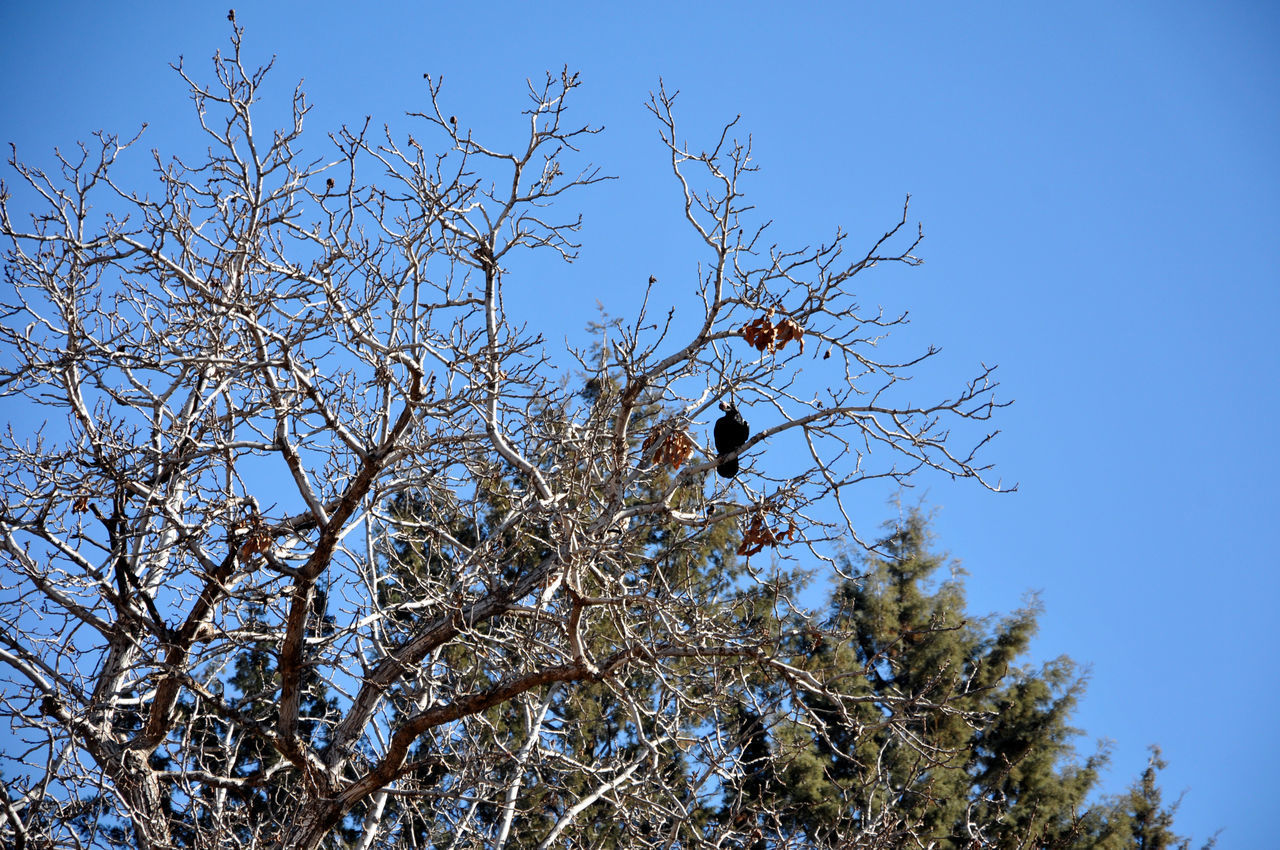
(315, 528)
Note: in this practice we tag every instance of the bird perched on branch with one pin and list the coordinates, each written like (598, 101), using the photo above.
(731, 432)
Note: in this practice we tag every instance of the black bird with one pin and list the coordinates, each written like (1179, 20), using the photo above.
(731, 432)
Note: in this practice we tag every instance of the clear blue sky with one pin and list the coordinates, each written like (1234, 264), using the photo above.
(1100, 188)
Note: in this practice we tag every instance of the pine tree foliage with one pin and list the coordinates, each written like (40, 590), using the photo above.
(972, 746)
(591, 724)
(1138, 819)
(969, 746)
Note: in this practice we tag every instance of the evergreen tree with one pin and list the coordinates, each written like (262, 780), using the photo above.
(589, 724)
(1137, 819)
(972, 746)
(263, 802)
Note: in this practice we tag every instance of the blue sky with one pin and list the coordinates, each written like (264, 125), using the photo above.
(1099, 185)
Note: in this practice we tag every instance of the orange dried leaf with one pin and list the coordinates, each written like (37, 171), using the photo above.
(679, 446)
(649, 440)
(762, 335)
(788, 330)
(675, 448)
(757, 535)
(257, 543)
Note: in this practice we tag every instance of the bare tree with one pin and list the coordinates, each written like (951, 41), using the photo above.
(246, 375)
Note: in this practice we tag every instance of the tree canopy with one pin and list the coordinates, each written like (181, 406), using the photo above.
(319, 546)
